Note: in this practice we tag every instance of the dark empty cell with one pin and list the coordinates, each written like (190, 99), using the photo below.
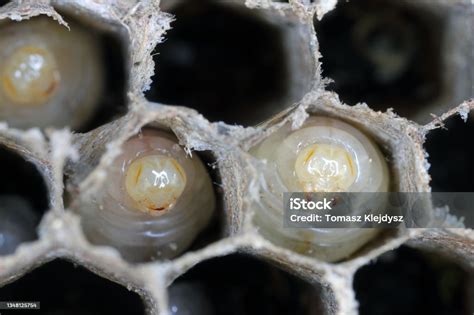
(113, 101)
(23, 199)
(223, 61)
(382, 52)
(62, 288)
(407, 281)
(238, 284)
(451, 156)
(188, 298)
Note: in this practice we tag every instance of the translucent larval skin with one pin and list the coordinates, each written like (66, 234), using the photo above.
(155, 201)
(324, 155)
(49, 75)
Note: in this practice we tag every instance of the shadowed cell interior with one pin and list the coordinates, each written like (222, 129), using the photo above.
(222, 60)
(451, 169)
(24, 179)
(215, 229)
(23, 200)
(113, 101)
(412, 282)
(450, 156)
(63, 288)
(239, 284)
(386, 53)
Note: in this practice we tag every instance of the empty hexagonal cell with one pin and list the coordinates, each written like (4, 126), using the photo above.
(157, 201)
(239, 284)
(231, 63)
(63, 288)
(451, 169)
(411, 56)
(23, 199)
(410, 281)
(450, 156)
(52, 76)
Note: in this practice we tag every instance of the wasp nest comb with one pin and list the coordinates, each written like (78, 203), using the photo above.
(146, 147)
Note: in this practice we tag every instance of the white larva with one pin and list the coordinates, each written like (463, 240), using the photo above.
(17, 223)
(324, 155)
(155, 201)
(49, 76)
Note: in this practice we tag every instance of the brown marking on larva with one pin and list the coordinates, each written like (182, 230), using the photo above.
(305, 245)
(178, 168)
(334, 201)
(310, 154)
(32, 50)
(153, 208)
(51, 88)
(307, 196)
(351, 166)
(7, 83)
(158, 209)
(139, 172)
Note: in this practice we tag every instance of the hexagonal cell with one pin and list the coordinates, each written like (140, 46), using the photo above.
(23, 200)
(231, 63)
(157, 201)
(63, 288)
(409, 281)
(324, 155)
(451, 156)
(240, 284)
(59, 77)
(399, 54)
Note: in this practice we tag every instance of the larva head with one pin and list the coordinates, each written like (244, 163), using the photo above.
(325, 168)
(30, 75)
(325, 155)
(155, 182)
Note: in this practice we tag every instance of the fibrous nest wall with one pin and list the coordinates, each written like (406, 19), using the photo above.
(222, 76)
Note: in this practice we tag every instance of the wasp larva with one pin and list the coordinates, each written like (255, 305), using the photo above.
(324, 155)
(155, 201)
(49, 76)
